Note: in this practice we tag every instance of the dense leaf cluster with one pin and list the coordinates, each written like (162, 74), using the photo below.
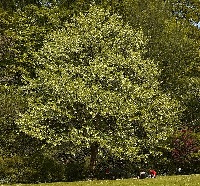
(86, 86)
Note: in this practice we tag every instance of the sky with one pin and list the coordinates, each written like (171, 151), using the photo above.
(198, 24)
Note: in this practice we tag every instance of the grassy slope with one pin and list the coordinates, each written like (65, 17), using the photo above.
(191, 180)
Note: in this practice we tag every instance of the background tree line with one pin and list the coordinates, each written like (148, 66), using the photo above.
(91, 85)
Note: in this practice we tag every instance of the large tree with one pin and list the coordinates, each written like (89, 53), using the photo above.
(94, 90)
(173, 41)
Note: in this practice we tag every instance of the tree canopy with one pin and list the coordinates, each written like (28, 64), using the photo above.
(98, 79)
(94, 86)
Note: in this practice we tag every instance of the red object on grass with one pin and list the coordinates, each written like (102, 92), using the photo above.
(152, 173)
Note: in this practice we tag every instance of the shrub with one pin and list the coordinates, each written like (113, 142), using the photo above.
(186, 151)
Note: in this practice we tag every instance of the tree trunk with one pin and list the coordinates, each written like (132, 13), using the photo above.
(93, 157)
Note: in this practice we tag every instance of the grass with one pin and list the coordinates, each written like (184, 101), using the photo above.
(185, 180)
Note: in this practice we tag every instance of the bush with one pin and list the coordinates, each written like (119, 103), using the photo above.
(12, 169)
(186, 151)
(38, 168)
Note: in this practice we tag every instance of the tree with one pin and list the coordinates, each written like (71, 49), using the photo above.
(185, 151)
(13, 5)
(186, 10)
(94, 90)
(173, 41)
(22, 35)
(19, 38)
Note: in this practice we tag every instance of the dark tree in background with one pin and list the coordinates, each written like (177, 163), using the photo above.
(185, 152)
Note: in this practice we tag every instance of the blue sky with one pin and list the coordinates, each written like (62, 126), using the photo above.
(196, 24)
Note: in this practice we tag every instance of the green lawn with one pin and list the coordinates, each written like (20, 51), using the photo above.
(186, 180)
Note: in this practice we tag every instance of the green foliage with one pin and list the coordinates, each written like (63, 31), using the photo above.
(94, 86)
(186, 146)
(173, 43)
(15, 5)
(22, 36)
(186, 10)
(10, 168)
(31, 169)
(10, 105)
(95, 79)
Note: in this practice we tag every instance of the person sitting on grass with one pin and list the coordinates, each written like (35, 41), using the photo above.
(143, 174)
(152, 173)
